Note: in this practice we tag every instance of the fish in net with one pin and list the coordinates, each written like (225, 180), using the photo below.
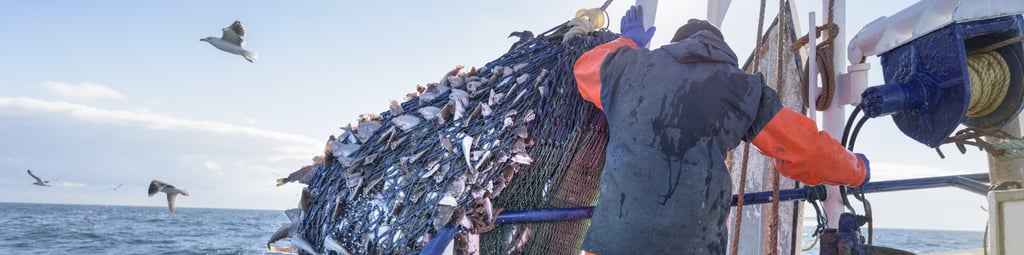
(512, 135)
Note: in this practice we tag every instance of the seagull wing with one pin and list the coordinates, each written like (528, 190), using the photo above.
(294, 214)
(171, 197)
(34, 176)
(156, 186)
(234, 34)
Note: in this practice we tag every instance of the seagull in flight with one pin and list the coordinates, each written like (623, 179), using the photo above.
(172, 192)
(39, 181)
(232, 41)
(115, 188)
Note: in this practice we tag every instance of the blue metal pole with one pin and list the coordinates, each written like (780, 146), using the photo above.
(969, 182)
(576, 213)
(440, 241)
(445, 235)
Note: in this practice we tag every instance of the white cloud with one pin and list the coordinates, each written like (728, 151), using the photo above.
(294, 153)
(73, 184)
(211, 165)
(149, 120)
(84, 90)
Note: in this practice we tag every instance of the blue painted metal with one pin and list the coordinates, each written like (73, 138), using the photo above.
(447, 233)
(927, 86)
(963, 182)
(971, 182)
(440, 241)
(559, 214)
(766, 196)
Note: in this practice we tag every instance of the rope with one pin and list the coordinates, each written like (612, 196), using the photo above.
(1008, 148)
(586, 21)
(814, 195)
(990, 79)
(824, 59)
(746, 146)
(816, 237)
(578, 26)
(773, 226)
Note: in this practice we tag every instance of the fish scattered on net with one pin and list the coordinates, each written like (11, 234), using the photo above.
(511, 135)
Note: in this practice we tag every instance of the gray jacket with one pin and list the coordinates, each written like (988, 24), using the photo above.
(673, 113)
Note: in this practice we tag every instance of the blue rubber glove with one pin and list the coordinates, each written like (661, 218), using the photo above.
(867, 169)
(633, 26)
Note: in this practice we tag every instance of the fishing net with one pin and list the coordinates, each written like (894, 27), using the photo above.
(512, 135)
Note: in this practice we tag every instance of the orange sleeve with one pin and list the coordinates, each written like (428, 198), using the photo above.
(803, 153)
(588, 69)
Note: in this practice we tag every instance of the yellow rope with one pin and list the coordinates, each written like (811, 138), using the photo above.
(578, 26)
(594, 15)
(812, 244)
(990, 79)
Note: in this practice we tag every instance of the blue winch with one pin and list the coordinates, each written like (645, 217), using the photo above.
(963, 73)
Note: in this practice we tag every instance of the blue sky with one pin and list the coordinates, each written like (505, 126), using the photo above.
(123, 92)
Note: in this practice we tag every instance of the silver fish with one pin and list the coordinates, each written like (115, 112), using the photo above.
(301, 243)
(286, 230)
(406, 122)
(396, 108)
(519, 67)
(429, 112)
(366, 129)
(332, 245)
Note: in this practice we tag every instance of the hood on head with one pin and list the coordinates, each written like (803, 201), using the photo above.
(702, 46)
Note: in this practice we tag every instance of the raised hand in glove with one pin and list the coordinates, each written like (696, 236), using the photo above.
(633, 26)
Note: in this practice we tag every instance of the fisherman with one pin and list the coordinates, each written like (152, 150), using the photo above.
(673, 114)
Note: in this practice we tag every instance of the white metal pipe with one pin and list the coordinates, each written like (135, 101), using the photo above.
(832, 120)
(650, 11)
(717, 10)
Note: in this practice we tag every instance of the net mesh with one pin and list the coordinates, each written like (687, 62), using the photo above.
(512, 135)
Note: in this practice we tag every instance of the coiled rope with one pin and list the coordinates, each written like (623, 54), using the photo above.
(586, 21)
(824, 58)
(990, 79)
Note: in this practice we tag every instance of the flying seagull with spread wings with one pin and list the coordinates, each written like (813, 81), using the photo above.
(39, 181)
(172, 192)
(232, 41)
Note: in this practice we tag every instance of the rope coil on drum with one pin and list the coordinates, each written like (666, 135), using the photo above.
(990, 78)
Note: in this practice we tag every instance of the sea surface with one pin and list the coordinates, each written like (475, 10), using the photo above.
(102, 229)
(916, 241)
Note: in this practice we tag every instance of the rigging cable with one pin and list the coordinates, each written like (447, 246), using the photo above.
(735, 245)
(776, 178)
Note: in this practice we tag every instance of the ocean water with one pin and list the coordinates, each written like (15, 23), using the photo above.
(916, 241)
(101, 229)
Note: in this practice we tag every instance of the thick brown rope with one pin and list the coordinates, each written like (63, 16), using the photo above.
(825, 57)
(773, 226)
(735, 242)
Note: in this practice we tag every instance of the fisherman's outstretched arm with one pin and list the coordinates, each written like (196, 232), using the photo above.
(803, 153)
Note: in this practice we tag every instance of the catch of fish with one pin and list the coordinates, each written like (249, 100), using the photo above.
(511, 135)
